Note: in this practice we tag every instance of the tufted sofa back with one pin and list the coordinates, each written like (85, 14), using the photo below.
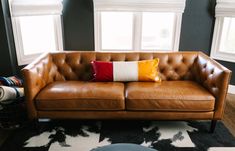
(75, 65)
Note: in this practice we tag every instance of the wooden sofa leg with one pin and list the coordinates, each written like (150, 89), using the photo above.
(213, 124)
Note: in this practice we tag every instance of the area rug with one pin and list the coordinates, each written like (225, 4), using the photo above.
(93, 135)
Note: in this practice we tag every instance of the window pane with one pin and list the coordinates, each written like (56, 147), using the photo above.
(38, 34)
(116, 28)
(228, 35)
(157, 31)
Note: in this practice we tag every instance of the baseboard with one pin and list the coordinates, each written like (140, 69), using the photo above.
(231, 89)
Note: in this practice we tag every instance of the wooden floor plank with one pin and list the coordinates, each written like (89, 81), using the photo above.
(229, 113)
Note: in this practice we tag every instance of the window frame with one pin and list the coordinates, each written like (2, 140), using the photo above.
(98, 35)
(23, 59)
(137, 8)
(137, 33)
(224, 8)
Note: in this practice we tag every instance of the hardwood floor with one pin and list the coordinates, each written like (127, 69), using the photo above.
(228, 120)
(229, 113)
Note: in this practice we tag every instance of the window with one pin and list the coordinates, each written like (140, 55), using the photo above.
(121, 37)
(36, 28)
(157, 31)
(223, 44)
(138, 25)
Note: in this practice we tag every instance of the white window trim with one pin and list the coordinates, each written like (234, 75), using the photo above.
(137, 7)
(140, 5)
(224, 8)
(231, 89)
(23, 59)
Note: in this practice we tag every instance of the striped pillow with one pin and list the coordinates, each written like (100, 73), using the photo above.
(145, 70)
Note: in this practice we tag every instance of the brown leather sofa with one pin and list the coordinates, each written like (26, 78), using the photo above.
(193, 87)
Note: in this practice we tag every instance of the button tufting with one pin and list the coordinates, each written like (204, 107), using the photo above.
(169, 61)
(162, 70)
(66, 59)
(183, 60)
(176, 69)
(73, 69)
(36, 83)
(58, 70)
(212, 71)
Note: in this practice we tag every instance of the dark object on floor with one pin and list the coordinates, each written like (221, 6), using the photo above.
(124, 147)
(13, 115)
(87, 135)
(11, 81)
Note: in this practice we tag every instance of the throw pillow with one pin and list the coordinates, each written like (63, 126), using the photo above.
(145, 70)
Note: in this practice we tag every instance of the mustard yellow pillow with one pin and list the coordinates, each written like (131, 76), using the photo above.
(147, 70)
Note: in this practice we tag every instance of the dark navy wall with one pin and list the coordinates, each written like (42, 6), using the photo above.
(197, 26)
(5, 64)
(7, 58)
(78, 22)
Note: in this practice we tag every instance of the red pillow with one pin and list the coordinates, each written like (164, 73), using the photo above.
(102, 71)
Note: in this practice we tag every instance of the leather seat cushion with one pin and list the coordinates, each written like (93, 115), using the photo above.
(168, 96)
(78, 95)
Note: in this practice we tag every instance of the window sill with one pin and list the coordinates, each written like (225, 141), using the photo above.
(230, 57)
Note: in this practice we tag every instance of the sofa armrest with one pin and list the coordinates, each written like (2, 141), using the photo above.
(35, 78)
(215, 78)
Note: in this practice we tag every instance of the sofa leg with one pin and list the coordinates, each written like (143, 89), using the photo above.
(36, 125)
(213, 124)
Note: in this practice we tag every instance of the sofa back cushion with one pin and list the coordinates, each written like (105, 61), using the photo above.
(76, 65)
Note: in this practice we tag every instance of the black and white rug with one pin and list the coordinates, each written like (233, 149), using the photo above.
(91, 135)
